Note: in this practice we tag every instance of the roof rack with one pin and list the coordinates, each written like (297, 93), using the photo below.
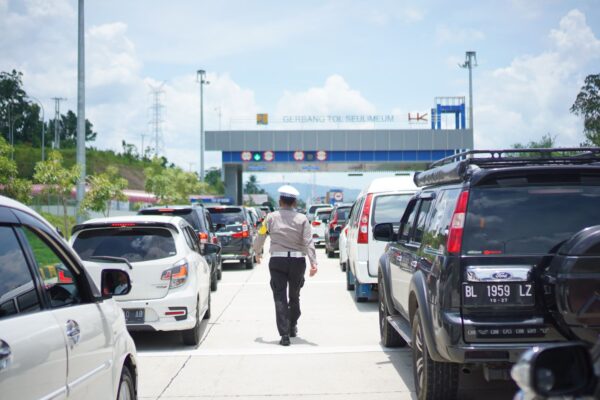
(455, 168)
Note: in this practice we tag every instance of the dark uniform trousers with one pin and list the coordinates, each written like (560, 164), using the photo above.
(287, 272)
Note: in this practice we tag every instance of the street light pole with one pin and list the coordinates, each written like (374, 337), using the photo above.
(200, 78)
(470, 62)
(80, 109)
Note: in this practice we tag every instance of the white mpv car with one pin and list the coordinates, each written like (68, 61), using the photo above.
(60, 336)
(384, 200)
(170, 278)
(319, 224)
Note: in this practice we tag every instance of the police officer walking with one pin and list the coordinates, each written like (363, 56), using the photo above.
(291, 241)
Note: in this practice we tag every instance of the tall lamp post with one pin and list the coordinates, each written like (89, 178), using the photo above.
(80, 108)
(200, 78)
(470, 62)
(43, 125)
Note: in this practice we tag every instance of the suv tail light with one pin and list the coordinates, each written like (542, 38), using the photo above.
(243, 234)
(177, 275)
(363, 223)
(316, 223)
(203, 236)
(215, 240)
(457, 224)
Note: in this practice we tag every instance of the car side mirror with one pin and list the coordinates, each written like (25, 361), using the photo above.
(384, 232)
(557, 370)
(209, 248)
(114, 282)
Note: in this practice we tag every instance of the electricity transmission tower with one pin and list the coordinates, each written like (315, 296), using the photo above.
(156, 118)
(57, 121)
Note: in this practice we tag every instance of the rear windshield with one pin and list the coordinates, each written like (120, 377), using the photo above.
(342, 213)
(323, 214)
(134, 244)
(184, 213)
(225, 219)
(527, 220)
(312, 209)
(389, 208)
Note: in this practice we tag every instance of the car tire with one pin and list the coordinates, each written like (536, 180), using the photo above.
(349, 285)
(433, 379)
(389, 336)
(343, 266)
(191, 337)
(207, 313)
(126, 386)
(220, 271)
(250, 263)
(330, 254)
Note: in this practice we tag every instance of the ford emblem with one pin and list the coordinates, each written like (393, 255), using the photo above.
(502, 275)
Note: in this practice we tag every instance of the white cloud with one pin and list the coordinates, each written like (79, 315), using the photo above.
(532, 96)
(445, 34)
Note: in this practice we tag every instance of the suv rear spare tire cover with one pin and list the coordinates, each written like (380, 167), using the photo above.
(576, 271)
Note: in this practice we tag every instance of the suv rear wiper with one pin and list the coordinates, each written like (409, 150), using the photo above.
(111, 258)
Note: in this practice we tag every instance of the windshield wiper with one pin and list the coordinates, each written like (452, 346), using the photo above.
(114, 259)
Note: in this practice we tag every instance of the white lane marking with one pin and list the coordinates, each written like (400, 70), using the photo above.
(276, 350)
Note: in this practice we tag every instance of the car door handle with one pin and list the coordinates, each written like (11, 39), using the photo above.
(5, 355)
(73, 332)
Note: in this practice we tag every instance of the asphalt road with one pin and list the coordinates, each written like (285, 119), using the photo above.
(337, 354)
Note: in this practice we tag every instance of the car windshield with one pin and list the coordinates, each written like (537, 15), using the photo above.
(312, 209)
(527, 220)
(185, 213)
(342, 214)
(227, 218)
(389, 208)
(134, 244)
(323, 214)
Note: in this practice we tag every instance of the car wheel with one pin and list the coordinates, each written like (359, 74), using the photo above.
(433, 380)
(250, 263)
(349, 281)
(191, 337)
(330, 253)
(126, 386)
(220, 271)
(207, 313)
(343, 266)
(389, 336)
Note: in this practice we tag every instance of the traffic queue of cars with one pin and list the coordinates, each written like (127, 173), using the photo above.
(66, 309)
(489, 260)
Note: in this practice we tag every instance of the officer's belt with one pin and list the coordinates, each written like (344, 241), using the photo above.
(294, 254)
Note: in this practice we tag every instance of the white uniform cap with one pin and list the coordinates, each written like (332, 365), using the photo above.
(288, 191)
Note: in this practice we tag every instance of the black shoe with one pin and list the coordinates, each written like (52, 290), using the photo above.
(285, 340)
(293, 331)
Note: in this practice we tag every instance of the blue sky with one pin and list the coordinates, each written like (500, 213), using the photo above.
(310, 57)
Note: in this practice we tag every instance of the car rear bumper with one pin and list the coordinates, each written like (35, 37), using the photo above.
(362, 273)
(155, 312)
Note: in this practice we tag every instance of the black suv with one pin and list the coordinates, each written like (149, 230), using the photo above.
(200, 219)
(474, 274)
(236, 231)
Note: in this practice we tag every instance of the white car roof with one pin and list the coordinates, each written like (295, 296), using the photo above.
(391, 184)
(137, 218)
(8, 202)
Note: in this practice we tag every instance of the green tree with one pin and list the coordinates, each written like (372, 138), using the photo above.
(104, 188)
(67, 130)
(172, 185)
(58, 180)
(587, 105)
(213, 179)
(547, 141)
(252, 186)
(12, 186)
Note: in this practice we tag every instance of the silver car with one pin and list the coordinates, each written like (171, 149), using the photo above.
(60, 336)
